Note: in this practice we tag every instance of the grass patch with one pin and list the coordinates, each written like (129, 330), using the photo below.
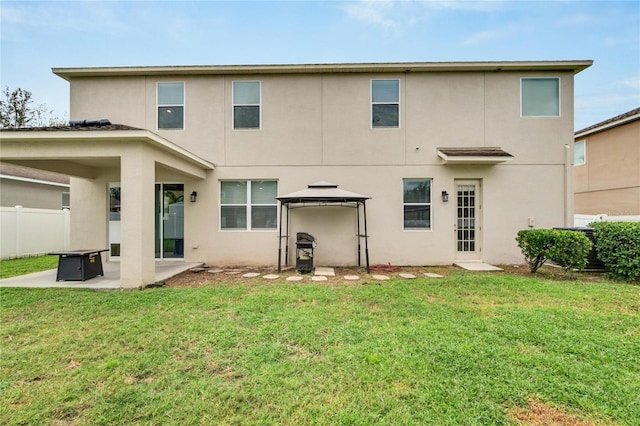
(26, 265)
(465, 349)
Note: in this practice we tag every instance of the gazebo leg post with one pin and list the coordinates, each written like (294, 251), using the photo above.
(280, 242)
(358, 232)
(366, 236)
(286, 255)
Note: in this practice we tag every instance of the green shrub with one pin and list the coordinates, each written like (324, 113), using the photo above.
(618, 246)
(568, 249)
(535, 245)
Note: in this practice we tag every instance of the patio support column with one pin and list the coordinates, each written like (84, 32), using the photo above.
(137, 254)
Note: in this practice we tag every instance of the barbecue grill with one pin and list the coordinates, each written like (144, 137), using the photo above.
(304, 252)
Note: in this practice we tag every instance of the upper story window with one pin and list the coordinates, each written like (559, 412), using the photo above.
(416, 202)
(170, 106)
(540, 97)
(579, 153)
(385, 103)
(246, 104)
(248, 204)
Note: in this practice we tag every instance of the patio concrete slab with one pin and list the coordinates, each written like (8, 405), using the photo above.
(165, 269)
(324, 271)
(478, 266)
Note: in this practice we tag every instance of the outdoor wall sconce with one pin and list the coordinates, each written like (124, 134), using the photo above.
(194, 196)
(445, 196)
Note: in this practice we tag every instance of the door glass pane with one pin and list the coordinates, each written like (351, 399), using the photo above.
(466, 218)
(173, 221)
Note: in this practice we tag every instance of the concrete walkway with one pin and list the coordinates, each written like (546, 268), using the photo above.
(110, 281)
(477, 266)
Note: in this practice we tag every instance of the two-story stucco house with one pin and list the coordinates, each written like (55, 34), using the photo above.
(607, 167)
(452, 159)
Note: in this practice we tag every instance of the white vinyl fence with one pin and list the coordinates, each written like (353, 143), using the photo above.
(583, 220)
(31, 232)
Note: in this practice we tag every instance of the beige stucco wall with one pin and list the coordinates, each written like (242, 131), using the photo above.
(317, 127)
(609, 181)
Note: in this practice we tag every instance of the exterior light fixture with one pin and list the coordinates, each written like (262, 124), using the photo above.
(194, 196)
(445, 196)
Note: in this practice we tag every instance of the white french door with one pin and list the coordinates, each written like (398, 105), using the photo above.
(468, 227)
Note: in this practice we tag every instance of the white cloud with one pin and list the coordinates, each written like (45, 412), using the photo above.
(371, 11)
(578, 19)
(633, 82)
(481, 37)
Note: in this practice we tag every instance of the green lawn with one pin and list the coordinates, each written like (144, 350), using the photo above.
(461, 350)
(26, 265)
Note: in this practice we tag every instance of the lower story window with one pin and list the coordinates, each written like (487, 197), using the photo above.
(417, 203)
(248, 204)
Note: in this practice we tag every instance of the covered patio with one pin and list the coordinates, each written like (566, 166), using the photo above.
(164, 269)
(97, 153)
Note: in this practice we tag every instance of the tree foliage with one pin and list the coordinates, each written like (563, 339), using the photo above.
(18, 109)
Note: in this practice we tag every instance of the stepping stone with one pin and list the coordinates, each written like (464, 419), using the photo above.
(327, 272)
(232, 272)
(271, 277)
(351, 277)
(407, 276)
(380, 277)
(319, 278)
(432, 275)
(294, 278)
(196, 269)
(215, 271)
(251, 275)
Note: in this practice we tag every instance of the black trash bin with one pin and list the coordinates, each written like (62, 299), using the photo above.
(305, 243)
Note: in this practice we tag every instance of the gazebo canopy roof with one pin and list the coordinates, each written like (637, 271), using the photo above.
(322, 192)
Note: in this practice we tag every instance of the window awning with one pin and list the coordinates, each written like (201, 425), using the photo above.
(474, 155)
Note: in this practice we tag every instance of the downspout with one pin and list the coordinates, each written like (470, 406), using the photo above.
(568, 186)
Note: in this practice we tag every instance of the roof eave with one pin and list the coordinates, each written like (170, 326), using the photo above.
(398, 67)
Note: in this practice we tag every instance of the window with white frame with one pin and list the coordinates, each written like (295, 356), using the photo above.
(416, 203)
(385, 103)
(579, 153)
(246, 104)
(540, 97)
(170, 105)
(248, 204)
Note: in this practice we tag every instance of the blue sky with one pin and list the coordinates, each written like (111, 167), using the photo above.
(37, 36)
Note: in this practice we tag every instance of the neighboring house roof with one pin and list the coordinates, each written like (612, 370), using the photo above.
(618, 120)
(15, 172)
(575, 66)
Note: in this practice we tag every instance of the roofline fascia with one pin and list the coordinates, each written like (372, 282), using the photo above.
(38, 181)
(110, 135)
(606, 126)
(399, 67)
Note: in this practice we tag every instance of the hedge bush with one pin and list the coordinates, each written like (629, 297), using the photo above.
(568, 249)
(618, 246)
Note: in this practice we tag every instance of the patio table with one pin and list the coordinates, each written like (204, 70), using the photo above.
(79, 265)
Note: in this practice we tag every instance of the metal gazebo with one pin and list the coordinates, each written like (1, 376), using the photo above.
(321, 194)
